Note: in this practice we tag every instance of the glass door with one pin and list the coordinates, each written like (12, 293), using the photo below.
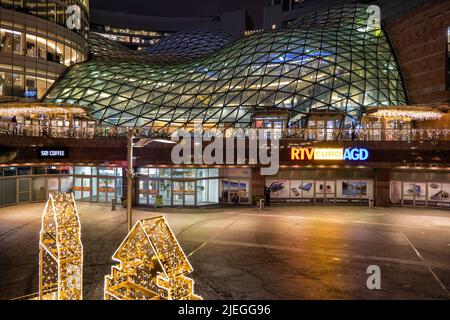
(178, 193)
(189, 193)
(184, 193)
(148, 190)
(83, 189)
(106, 189)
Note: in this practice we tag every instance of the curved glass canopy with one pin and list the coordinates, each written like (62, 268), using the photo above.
(328, 61)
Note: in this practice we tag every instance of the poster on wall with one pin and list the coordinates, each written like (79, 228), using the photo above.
(351, 191)
(279, 189)
(53, 185)
(396, 192)
(302, 191)
(439, 195)
(409, 188)
(235, 191)
(421, 194)
(307, 191)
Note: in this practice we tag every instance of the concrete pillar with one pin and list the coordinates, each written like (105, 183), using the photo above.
(382, 187)
(258, 182)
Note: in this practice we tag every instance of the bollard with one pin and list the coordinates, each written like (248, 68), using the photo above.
(261, 204)
(371, 202)
(113, 204)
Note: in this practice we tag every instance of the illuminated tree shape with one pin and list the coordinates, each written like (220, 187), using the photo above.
(60, 250)
(152, 266)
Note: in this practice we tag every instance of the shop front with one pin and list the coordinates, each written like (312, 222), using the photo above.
(27, 184)
(322, 186)
(184, 187)
(420, 188)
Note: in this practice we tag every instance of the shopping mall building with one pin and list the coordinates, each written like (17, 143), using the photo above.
(361, 111)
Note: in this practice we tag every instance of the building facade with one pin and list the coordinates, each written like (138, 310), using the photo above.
(139, 32)
(37, 46)
(354, 127)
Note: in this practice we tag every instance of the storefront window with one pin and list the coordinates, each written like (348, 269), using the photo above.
(52, 170)
(39, 170)
(24, 171)
(83, 170)
(321, 186)
(10, 172)
(107, 172)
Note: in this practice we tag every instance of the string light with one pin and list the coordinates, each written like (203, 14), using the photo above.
(60, 250)
(29, 109)
(152, 266)
(408, 114)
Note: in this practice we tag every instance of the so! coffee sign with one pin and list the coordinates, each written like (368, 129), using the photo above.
(346, 154)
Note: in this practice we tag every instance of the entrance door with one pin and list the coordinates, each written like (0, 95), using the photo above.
(106, 189)
(184, 193)
(83, 189)
(178, 193)
(148, 190)
(189, 193)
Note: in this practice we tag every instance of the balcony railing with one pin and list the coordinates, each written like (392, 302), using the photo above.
(405, 135)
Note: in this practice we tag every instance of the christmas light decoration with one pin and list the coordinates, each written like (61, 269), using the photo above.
(152, 266)
(37, 108)
(60, 250)
(412, 114)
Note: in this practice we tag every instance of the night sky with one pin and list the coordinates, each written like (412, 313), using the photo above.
(180, 8)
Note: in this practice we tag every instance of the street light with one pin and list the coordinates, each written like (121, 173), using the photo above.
(130, 174)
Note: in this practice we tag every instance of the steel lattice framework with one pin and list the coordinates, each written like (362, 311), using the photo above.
(326, 61)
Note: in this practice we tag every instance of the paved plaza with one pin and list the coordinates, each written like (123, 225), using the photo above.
(240, 253)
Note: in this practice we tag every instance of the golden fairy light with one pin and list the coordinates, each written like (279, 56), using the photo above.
(152, 266)
(60, 250)
(412, 114)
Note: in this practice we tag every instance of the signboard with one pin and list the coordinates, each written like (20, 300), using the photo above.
(339, 154)
(53, 153)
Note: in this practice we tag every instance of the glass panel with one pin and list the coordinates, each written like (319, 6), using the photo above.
(38, 192)
(39, 170)
(66, 184)
(87, 188)
(9, 191)
(53, 185)
(178, 193)
(9, 172)
(24, 171)
(189, 193)
(165, 190)
(107, 172)
(78, 188)
(83, 170)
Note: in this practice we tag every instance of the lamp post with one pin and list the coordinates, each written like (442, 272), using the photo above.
(130, 178)
(130, 171)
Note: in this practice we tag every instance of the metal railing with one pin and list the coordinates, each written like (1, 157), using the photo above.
(405, 135)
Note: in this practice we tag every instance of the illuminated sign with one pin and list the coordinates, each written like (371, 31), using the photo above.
(348, 154)
(30, 94)
(60, 153)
